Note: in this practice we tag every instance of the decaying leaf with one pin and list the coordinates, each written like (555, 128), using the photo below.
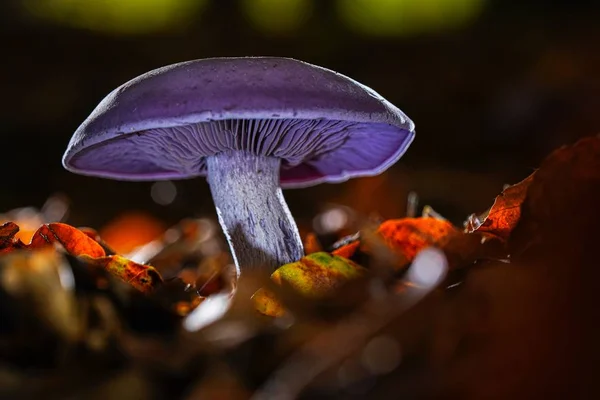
(315, 276)
(505, 212)
(142, 277)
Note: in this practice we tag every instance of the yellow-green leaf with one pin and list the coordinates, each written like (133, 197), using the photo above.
(317, 274)
(314, 276)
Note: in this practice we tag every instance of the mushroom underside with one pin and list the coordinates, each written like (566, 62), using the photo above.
(308, 149)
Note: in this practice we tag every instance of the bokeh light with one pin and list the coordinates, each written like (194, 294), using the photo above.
(130, 230)
(381, 355)
(117, 16)
(163, 192)
(277, 17)
(406, 17)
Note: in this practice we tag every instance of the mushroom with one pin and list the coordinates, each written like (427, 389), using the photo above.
(252, 126)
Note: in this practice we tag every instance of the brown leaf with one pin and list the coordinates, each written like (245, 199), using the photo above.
(7, 237)
(505, 212)
(562, 210)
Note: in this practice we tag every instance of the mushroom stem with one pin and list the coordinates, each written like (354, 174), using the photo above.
(252, 211)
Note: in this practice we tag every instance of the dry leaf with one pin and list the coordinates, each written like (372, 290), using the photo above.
(505, 212)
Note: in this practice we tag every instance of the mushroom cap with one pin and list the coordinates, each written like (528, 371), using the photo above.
(324, 126)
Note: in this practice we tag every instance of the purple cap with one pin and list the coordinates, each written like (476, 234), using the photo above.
(324, 126)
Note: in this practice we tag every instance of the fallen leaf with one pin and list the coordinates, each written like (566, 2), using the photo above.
(505, 212)
(404, 237)
(408, 236)
(73, 240)
(315, 276)
(142, 277)
(7, 233)
(8, 242)
(561, 208)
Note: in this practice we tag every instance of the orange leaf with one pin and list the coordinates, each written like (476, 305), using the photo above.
(73, 240)
(408, 236)
(142, 277)
(506, 211)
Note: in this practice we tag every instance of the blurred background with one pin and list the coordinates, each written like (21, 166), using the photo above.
(492, 85)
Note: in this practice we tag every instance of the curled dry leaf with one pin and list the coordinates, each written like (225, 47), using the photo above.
(505, 212)
(561, 208)
(315, 276)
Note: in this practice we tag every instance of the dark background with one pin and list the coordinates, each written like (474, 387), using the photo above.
(490, 96)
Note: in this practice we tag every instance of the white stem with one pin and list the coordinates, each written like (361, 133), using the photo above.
(252, 211)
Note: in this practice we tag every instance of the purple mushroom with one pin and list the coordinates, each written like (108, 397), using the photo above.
(250, 125)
